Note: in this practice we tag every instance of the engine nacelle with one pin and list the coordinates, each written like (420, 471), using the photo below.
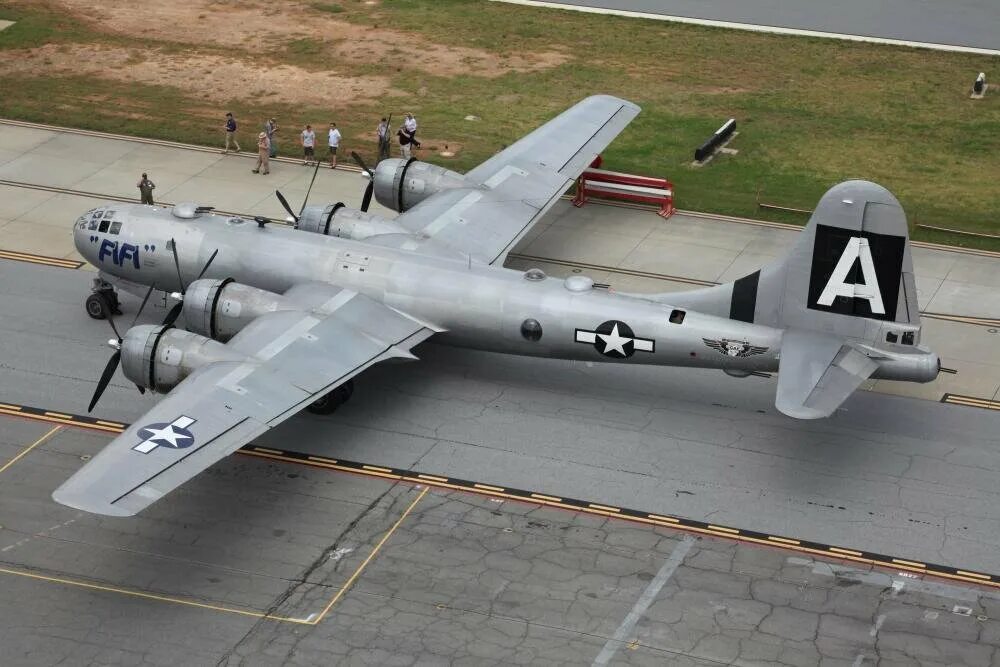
(402, 184)
(159, 358)
(346, 223)
(219, 309)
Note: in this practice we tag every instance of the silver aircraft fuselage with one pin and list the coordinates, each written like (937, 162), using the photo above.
(482, 307)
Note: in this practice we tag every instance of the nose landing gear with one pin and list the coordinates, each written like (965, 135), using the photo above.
(328, 404)
(103, 297)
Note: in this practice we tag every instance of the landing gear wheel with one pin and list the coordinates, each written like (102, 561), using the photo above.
(328, 404)
(95, 307)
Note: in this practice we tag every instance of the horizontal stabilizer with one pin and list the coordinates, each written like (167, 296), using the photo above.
(817, 373)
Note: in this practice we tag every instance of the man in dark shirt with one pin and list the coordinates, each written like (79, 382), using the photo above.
(146, 189)
(231, 133)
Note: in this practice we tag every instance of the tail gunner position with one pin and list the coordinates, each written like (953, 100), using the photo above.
(280, 318)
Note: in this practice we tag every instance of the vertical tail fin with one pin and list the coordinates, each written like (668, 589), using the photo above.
(850, 272)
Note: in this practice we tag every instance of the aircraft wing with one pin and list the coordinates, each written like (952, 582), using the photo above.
(514, 188)
(294, 357)
(817, 373)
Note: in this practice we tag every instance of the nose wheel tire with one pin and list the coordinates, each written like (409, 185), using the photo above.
(95, 307)
(328, 404)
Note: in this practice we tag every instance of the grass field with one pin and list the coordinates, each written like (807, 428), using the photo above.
(810, 112)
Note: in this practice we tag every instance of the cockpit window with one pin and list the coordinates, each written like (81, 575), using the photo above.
(108, 215)
(116, 227)
(104, 225)
(907, 338)
(93, 225)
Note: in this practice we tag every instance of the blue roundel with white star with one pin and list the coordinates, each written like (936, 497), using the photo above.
(615, 339)
(173, 435)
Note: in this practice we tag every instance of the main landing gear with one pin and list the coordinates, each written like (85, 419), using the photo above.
(329, 403)
(103, 297)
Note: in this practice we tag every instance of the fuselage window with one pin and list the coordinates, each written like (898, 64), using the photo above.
(677, 316)
(104, 225)
(116, 227)
(891, 337)
(531, 329)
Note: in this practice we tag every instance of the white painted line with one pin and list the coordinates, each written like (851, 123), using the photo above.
(777, 30)
(644, 601)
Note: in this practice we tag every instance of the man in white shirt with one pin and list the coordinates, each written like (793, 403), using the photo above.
(308, 142)
(333, 139)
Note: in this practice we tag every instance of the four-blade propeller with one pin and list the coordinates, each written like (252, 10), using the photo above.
(116, 344)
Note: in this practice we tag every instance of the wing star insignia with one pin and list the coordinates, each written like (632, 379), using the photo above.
(174, 435)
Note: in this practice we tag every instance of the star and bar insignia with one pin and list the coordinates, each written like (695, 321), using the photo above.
(615, 339)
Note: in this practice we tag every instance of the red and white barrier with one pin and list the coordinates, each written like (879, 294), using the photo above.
(628, 187)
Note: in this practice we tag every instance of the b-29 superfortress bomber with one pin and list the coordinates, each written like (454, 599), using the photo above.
(280, 319)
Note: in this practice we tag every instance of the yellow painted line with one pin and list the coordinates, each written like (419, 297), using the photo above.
(657, 517)
(59, 415)
(604, 507)
(357, 572)
(29, 255)
(320, 459)
(268, 451)
(487, 487)
(433, 478)
(10, 407)
(910, 563)
(150, 596)
(846, 552)
(731, 531)
(113, 424)
(553, 499)
(376, 469)
(973, 403)
(782, 540)
(974, 574)
(29, 448)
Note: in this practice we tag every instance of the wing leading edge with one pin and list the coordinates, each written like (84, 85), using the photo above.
(293, 357)
(513, 189)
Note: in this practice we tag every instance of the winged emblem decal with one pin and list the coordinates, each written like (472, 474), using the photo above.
(734, 348)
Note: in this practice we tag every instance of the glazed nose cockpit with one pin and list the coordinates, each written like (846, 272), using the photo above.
(96, 236)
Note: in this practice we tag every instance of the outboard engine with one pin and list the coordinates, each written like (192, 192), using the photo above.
(159, 357)
(402, 184)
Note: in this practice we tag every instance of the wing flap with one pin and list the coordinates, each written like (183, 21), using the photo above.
(817, 373)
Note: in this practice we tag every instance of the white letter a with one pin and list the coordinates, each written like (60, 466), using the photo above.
(857, 248)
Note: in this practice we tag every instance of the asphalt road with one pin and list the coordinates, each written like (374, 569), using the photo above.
(973, 23)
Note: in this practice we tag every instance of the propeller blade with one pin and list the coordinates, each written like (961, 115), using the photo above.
(208, 264)
(284, 204)
(173, 314)
(177, 264)
(361, 163)
(109, 311)
(102, 384)
(143, 306)
(367, 199)
(306, 200)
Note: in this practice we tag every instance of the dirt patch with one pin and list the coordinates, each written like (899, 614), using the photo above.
(210, 78)
(251, 25)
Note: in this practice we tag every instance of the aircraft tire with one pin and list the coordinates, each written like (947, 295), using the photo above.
(328, 404)
(95, 307)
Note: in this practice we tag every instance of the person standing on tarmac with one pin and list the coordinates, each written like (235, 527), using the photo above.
(263, 154)
(146, 189)
(383, 139)
(231, 133)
